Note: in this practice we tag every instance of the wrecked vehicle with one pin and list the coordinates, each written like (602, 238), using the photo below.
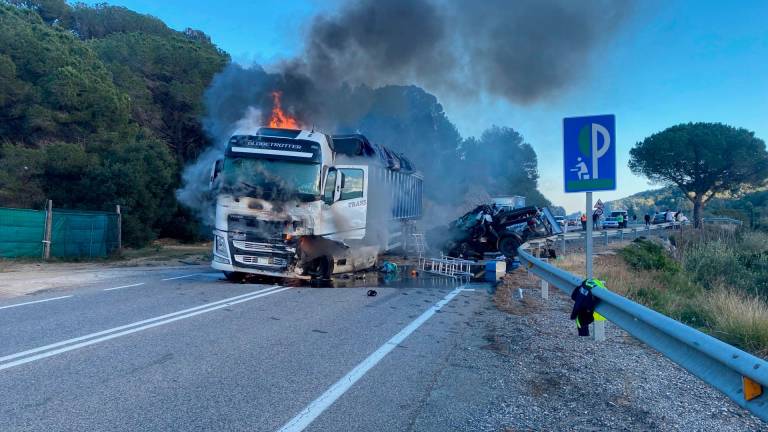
(493, 229)
(302, 204)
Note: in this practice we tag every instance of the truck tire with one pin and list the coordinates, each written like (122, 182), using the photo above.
(234, 276)
(508, 245)
(322, 268)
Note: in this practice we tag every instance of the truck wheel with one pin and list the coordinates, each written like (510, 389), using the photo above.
(234, 276)
(508, 246)
(323, 268)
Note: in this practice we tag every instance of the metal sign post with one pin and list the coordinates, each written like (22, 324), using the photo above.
(588, 238)
(589, 164)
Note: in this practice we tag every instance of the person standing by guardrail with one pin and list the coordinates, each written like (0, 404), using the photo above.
(647, 220)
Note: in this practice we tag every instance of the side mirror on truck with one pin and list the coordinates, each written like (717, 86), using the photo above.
(329, 191)
(215, 171)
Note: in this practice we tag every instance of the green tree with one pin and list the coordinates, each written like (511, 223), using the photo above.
(504, 163)
(703, 160)
(165, 77)
(53, 87)
(21, 179)
(51, 11)
(102, 20)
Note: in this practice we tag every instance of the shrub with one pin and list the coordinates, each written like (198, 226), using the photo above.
(647, 255)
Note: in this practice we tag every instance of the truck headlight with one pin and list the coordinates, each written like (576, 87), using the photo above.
(220, 245)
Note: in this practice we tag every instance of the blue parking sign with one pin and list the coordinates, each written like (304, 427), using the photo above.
(589, 150)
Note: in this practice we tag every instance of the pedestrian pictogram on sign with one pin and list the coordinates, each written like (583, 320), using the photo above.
(589, 153)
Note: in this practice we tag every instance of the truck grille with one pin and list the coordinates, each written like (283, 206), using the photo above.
(261, 228)
(265, 261)
(254, 246)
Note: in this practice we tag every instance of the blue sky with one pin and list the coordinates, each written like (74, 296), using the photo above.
(673, 62)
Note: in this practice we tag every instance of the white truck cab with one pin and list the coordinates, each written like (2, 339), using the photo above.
(294, 203)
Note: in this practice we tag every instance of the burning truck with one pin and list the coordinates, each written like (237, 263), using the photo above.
(302, 204)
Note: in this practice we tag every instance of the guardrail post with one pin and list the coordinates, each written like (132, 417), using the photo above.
(621, 235)
(605, 236)
(544, 289)
(563, 240)
(599, 330)
(634, 232)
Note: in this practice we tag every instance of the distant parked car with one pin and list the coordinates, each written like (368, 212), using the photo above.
(624, 214)
(573, 222)
(659, 218)
(611, 222)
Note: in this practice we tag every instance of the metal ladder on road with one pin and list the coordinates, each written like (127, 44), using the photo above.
(419, 245)
(447, 266)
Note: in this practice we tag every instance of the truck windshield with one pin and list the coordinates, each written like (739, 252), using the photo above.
(273, 180)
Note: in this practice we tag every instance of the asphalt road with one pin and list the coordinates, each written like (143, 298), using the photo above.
(187, 350)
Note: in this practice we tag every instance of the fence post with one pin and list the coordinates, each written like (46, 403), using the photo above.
(119, 229)
(48, 230)
(90, 241)
(544, 289)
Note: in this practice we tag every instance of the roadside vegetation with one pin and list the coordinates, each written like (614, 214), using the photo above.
(714, 280)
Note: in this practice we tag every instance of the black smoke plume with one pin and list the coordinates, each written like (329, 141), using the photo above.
(363, 68)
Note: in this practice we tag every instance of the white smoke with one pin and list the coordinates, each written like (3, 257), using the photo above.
(196, 192)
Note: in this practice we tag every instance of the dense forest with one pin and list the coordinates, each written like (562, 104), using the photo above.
(100, 105)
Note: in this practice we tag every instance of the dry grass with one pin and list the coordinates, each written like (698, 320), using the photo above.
(726, 312)
(739, 319)
(508, 299)
(610, 268)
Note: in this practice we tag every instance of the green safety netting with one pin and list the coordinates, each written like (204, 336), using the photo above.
(73, 233)
(83, 234)
(21, 233)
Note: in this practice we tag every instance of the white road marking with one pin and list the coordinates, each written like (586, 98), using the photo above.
(182, 277)
(92, 338)
(33, 302)
(124, 286)
(314, 409)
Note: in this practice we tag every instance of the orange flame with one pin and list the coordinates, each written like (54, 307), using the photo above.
(279, 118)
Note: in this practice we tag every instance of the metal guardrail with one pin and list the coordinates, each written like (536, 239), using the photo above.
(610, 233)
(724, 367)
(721, 221)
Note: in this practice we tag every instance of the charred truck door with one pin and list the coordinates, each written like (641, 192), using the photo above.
(345, 202)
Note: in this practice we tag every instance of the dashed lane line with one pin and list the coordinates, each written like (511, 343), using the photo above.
(182, 277)
(33, 302)
(124, 286)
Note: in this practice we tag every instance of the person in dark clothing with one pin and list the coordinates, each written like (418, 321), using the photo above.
(595, 218)
(647, 220)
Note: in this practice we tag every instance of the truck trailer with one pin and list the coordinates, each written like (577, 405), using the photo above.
(303, 204)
